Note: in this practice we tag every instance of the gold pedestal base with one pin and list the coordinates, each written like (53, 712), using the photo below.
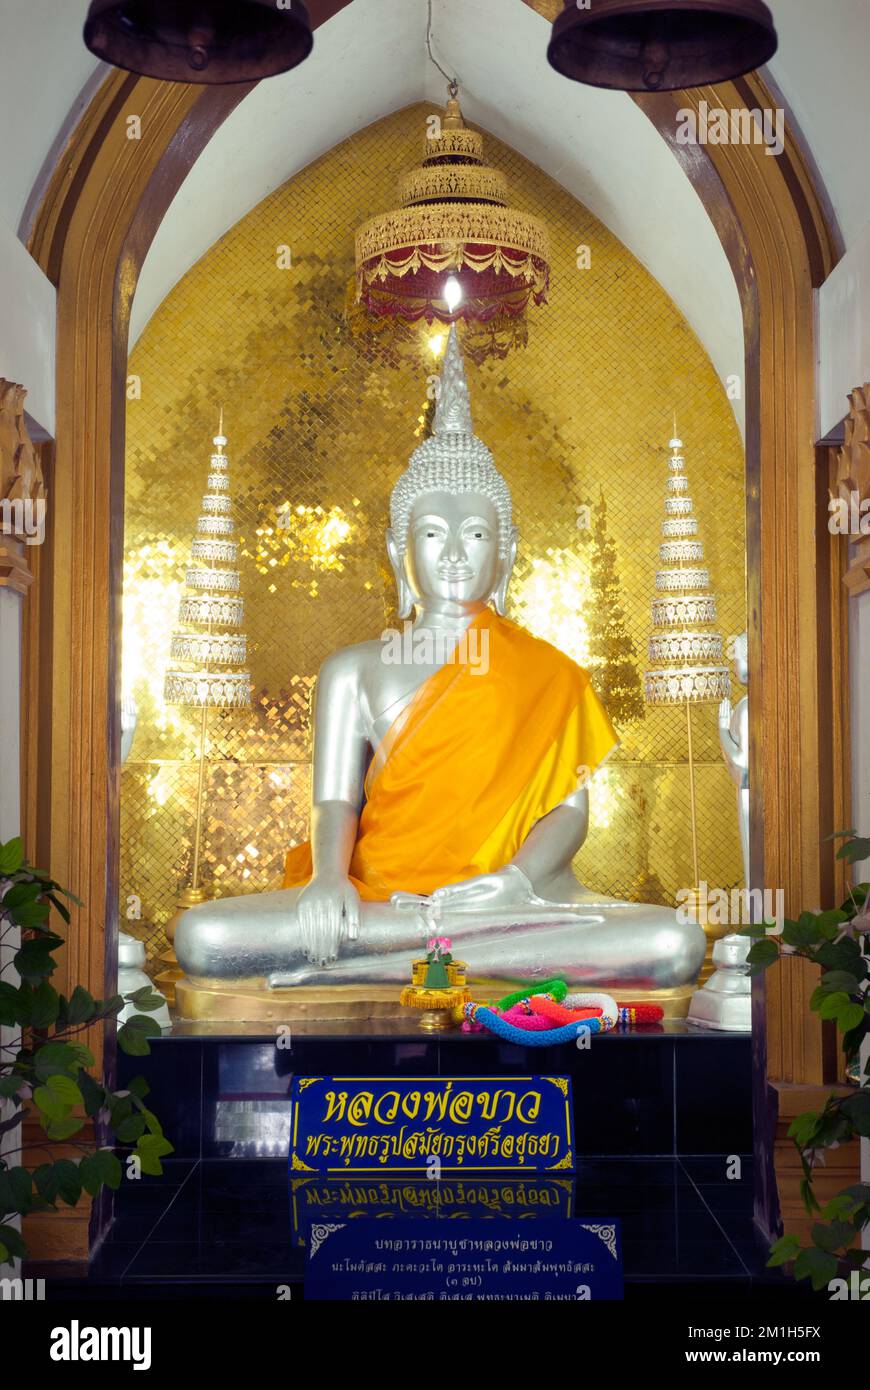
(320, 1003)
(359, 1003)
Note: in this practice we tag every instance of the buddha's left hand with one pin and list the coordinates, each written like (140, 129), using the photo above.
(507, 887)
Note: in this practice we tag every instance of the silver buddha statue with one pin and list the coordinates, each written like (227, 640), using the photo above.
(451, 764)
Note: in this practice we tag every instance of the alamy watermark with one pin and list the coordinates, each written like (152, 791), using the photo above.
(422, 647)
(737, 907)
(22, 1290)
(23, 518)
(714, 125)
(849, 516)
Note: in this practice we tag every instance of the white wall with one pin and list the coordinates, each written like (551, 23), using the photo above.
(27, 331)
(843, 317)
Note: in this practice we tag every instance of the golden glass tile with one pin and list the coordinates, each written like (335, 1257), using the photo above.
(321, 416)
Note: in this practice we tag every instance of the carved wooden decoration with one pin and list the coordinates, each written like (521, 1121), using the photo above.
(22, 489)
(853, 489)
(20, 471)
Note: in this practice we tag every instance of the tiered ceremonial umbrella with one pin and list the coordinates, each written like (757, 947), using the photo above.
(208, 649)
(454, 249)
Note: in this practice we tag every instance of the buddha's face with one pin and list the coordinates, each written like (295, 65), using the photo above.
(452, 552)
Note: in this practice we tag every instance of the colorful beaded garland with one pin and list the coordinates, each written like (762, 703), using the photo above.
(498, 1024)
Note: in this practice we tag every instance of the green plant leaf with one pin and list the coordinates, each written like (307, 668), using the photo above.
(113, 1005)
(57, 1097)
(47, 1181)
(15, 1191)
(129, 1129)
(133, 1035)
(61, 1057)
(64, 1128)
(61, 907)
(840, 955)
(11, 1084)
(857, 1108)
(783, 1250)
(831, 1237)
(855, 850)
(69, 1183)
(833, 1003)
(11, 856)
(816, 1265)
(850, 1016)
(93, 1094)
(151, 1148)
(81, 1007)
(24, 891)
(835, 980)
(11, 1244)
(99, 1169)
(44, 1005)
(31, 914)
(840, 1208)
(34, 961)
(138, 1087)
(763, 954)
(10, 1005)
(147, 999)
(803, 933)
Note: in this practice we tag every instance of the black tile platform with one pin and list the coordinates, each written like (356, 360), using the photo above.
(224, 1228)
(658, 1112)
(662, 1090)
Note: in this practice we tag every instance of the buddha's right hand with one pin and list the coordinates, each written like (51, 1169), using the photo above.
(327, 910)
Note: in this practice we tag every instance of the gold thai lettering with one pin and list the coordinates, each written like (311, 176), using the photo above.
(383, 1113)
(335, 1105)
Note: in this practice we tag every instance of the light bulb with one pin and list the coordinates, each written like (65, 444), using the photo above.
(452, 293)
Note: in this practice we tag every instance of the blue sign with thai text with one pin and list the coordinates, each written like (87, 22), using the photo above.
(568, 1261)
(431, 1125)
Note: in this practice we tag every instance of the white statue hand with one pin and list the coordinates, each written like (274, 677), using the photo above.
(506, 887)
(327, 911)
(725, 714)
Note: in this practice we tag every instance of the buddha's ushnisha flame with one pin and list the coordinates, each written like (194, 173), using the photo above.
(452, 459)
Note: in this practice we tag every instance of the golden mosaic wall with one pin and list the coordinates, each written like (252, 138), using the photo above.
(322, 417)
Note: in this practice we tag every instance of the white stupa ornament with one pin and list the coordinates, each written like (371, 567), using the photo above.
(452, 459)
(684, 648)
(208, 643)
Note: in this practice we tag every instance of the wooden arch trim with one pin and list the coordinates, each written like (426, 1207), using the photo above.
(776, 230)
(93, 229)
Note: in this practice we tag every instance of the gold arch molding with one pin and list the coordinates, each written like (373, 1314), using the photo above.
(92, 231)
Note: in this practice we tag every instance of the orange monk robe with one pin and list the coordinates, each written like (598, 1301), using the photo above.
(481, 753)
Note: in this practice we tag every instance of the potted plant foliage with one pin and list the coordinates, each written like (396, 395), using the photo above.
(838, 942)
(45, 1069)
